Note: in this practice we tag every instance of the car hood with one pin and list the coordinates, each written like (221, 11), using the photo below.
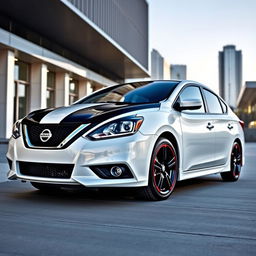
(85, 113)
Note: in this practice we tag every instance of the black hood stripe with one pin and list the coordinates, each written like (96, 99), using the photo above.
(92, 114)
(38, 115)
(104, 112)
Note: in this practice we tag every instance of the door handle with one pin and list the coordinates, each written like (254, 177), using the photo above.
(209, 126)
(230, 126)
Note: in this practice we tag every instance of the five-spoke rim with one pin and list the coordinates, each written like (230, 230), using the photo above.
(164, 169)
(236, 160)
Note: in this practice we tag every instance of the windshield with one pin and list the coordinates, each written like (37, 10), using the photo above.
(140, 92)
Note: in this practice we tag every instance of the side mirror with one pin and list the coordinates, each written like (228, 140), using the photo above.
(190, 104)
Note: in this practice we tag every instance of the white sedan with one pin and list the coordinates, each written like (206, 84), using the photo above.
(144, 134)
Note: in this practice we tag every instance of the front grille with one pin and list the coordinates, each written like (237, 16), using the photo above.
(45, 170)
(58, 133)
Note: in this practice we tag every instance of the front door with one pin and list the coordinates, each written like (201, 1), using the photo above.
(198, 135)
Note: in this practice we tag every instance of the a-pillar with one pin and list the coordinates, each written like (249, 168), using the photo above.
(62, 89)
(38, 86)
(6, 93)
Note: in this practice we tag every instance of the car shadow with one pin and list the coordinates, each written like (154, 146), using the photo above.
(111, 195)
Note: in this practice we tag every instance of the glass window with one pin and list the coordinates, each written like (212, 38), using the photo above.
(143, 92)
(22, 93)
(213, 103)
(50, 94)
(21, 89)
(21, 71)
(192, 93)
(73, 91)
(20, 100)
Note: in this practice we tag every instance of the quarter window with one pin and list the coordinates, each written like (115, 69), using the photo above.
(213, 103)
(192, 92)
(224, 107)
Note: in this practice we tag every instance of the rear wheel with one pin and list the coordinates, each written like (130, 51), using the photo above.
(163, 171)
(235, 164)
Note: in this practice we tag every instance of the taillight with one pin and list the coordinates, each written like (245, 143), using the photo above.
(241, 123)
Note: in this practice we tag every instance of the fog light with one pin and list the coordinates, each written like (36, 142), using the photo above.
(116, 171)
(109, 171)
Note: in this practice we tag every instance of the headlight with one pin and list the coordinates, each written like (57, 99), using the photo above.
(16, 129)
(120, 127)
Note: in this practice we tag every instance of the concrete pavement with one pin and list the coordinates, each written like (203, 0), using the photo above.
(204, 216)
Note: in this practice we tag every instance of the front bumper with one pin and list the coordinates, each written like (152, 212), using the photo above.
(134, 151)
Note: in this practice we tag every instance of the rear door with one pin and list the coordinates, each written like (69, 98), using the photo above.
(223, 127)
(197, 133)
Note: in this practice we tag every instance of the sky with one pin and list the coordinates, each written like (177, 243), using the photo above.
(192, 32)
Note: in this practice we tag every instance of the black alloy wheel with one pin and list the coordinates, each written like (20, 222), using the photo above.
(163, 171)
(235, 164)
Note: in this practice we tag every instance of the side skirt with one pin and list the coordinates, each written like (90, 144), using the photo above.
(202, 172)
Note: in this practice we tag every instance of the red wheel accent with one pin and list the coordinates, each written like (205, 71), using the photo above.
(164, 169)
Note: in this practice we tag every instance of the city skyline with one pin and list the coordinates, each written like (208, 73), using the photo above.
(193, 33)
(230, 74)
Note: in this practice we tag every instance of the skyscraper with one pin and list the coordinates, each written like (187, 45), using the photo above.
(157, 65)
(230, 74)
(167, 73)
(179, 72)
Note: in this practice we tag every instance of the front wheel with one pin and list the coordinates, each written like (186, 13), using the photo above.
(235, 164)
(163, 171)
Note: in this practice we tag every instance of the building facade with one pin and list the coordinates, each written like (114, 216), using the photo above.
(178, 72)
(246, 109)
(230, 74)
(167, 73)
(157, 65)
(66, 50)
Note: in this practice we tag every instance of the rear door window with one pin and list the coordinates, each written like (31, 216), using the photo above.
(213, 102)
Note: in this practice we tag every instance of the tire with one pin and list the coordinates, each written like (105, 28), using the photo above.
(163, 171)
(46, 187)
(235, 164)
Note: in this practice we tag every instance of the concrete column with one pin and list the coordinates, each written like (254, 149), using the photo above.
(38, 86)
(85, 88)
(62, 89)
(6, 93)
